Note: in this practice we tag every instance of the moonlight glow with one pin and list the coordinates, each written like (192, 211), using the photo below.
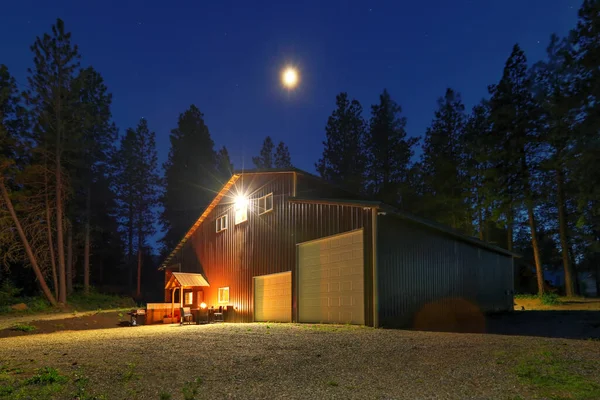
(289, 77)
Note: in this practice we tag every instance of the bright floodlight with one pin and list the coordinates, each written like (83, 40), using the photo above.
(241, 202)
(289, 77)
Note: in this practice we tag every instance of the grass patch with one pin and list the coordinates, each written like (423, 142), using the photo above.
(22, 327)
(46, 383)
(95, 301)
(547, 299)
(165, 396)
(130, 373)
(46, 376)
(333, 383)
(190, 389)
(557, 378)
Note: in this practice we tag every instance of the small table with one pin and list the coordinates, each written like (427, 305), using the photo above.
(200, 315)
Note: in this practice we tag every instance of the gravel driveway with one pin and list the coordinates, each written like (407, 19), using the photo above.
(254, 361)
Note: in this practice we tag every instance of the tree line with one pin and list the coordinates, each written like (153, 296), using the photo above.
(80, 202)
(520, 170)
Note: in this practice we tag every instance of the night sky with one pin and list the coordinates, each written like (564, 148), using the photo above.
(226, 58)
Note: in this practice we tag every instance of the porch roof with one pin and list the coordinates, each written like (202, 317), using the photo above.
(186, 279)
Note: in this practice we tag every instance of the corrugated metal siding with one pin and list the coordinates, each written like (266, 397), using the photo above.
(417, 266)
(266, 243)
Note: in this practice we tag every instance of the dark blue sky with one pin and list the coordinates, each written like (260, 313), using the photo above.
(224, 56)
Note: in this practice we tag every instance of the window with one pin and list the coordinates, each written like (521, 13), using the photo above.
(241, 211)
(265, 204)
(223, 295)
(222, 223)
(188, 297)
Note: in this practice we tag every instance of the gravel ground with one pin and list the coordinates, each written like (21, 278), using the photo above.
(288, 361)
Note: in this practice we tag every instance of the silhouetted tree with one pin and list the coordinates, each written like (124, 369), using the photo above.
(445, 179)
(191, 179)
(265, 159)
(344, 159)
(282, 156)
(513, 115)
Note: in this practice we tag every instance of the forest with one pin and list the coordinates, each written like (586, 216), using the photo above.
(81, 199)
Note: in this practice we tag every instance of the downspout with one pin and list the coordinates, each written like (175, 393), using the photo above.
(295, 183)
(374, 268)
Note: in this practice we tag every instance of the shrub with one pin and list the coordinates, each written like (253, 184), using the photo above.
(46, 376)
(96, 301)
(24, 328)
(9, 294)
(550, 299)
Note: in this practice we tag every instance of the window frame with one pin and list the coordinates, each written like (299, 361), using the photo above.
(187, 293)
(262, 204)
(220, 297)
(220, 227)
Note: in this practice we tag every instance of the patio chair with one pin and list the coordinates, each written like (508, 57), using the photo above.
(186, 314)
(218, 315)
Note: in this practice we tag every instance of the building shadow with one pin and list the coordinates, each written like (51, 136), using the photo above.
(568, 324)
(551, 324)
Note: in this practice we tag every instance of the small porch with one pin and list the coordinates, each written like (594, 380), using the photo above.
(185, 290)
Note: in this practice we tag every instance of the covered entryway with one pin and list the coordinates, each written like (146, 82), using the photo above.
(182, 281)
(330, 279)
(273, 297)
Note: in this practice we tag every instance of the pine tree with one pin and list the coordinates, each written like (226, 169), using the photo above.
(513, 116)
(282, 156)
(475, 156)
(190, 176)
(96, 147)
(13, 154)
(138, 188)
(585, 40)
(389, 151)
(53, 105)
(344, 160)
(224, 165)
(265, 159)
(446, 190)
(554, 89)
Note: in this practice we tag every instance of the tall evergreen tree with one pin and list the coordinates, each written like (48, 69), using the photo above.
(558, 126)
(224, 165)
(344, 159)
(282, 156)
(138, 188)
(513, 116)
(98, 134)
(190, 176)
(585, 39)
(265, 159)
(56, 61)
(476, 156)
(27, 225)
(389, 151)
(446, 191)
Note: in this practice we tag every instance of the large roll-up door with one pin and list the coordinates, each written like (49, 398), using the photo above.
(330, 279)
(273, 297)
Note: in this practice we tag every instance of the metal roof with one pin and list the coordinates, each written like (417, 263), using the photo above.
(386, 208)
(185, 279)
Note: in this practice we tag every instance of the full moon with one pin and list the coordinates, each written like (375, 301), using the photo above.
(289, 77)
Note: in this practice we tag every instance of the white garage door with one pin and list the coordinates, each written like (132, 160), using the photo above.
(330, 279)
(273, 297)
